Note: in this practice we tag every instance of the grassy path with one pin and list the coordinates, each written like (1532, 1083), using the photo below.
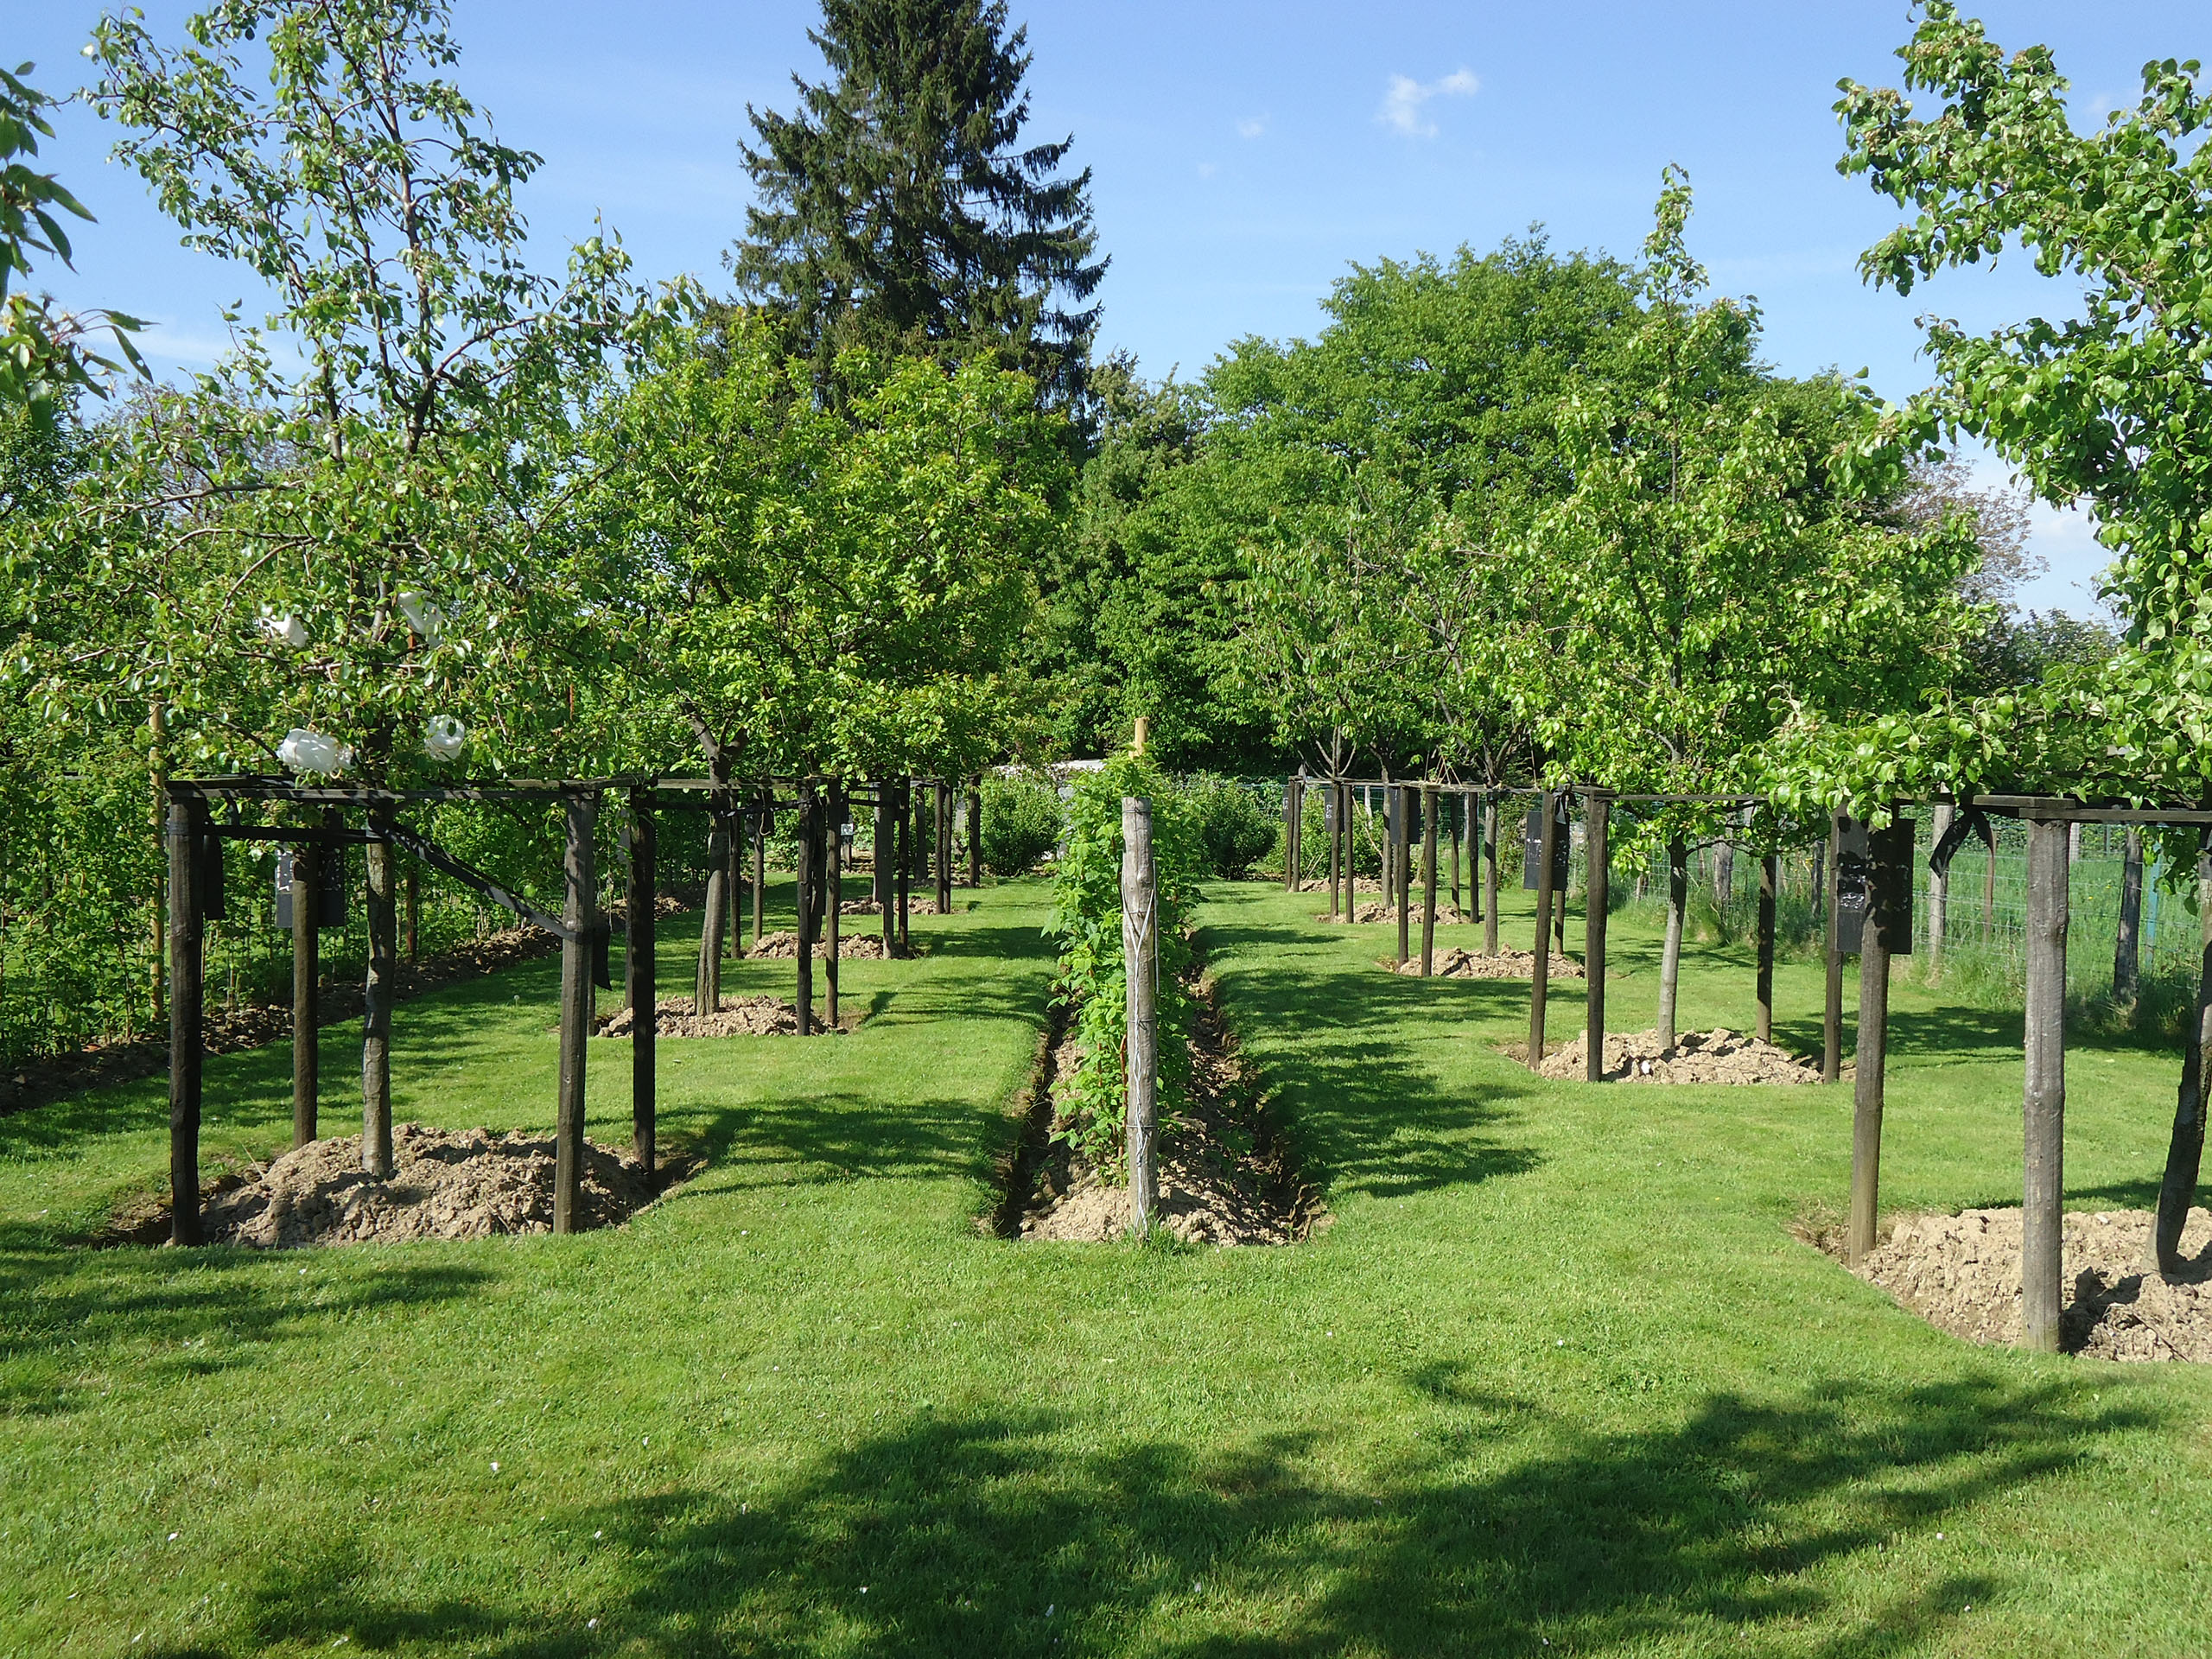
(1558, 1373)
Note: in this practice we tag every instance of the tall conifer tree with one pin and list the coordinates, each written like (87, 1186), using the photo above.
(899, 211)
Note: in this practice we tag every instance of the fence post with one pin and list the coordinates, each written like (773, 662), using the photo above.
(1428, 799)
(1832, 1005)
(187, 1036)
(578, 922)
(1140, 962)
(1769, 881)
(1540, 978)
(1597, 900)
(307, 991)
(637, 987)
(2044, 1098)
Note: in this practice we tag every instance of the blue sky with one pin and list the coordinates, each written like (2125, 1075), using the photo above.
(1243, 154)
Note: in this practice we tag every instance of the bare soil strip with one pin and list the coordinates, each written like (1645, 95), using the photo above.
(1961, 1273)
(1718, 1055)
(1226, 1176)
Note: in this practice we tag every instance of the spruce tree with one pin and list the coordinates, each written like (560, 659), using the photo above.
(899, 211)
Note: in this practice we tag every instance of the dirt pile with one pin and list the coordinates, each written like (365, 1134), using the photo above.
(1379, 912)
(785, 945)
(1225, 1176)
(466, 1184)
(740, 1016)
(859, 907)
(1961, 1273)
(1455, 963)
(1697, 1056)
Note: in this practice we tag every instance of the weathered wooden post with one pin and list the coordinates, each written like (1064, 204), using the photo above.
(2125, 966)
(1769, 882)
(2043, 1100)
(809, 851)
(307, 991)
(2185, 1151)
(579, 921)
(1140, 960)
(187, 1035)
(976, 831)
(1540, 979)
(1832, 1003)
(1887, 931)
(1402, 844)
(833, 881)
(1428, 805)
(1490, 874)
(637, 987)
(383, 917)
(1598, 810)
(1332, 817)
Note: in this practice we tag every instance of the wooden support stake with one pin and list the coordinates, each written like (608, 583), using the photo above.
(579, 919)
(637, 986)
(1540, 979)
(2043, 1099)
(186, 1037)
(1428, 800)
(1597, 807)
(833, 882)
(306, 992)
(1141, 958)
(809, 829)
(1832, 1005)
(375, 999)
(1885, 934)
(1769, 880)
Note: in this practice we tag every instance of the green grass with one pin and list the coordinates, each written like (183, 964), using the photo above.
(1558, 1372)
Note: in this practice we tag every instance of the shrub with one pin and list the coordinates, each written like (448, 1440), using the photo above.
(1087, 921)
(1021, 822)
(1234, 828)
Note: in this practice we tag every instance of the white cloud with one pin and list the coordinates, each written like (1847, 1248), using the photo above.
(1403, 102)
(1252, 127)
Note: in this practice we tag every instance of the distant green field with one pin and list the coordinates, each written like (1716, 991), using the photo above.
(1558, 1374)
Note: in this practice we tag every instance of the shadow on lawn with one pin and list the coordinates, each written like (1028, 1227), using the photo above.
(1014, 1532)
(834, 1136)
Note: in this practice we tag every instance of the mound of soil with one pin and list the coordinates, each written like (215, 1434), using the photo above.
(859, 907)
(739, 1016)
(785, 944)
(468, 1184)
(1719, 1056)
(1224, 1177)
(1380, 911)
(1455, 963)
(1961, 1273)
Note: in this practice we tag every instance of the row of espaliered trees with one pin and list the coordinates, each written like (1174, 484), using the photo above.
(446, 515)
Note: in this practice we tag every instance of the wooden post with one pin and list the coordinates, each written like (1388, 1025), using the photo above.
(1490, 874)
(903, 834)
(1334, 824)
(1402, 845)
(1428, 803)
(810, 828)
(886, 843)
(376, 999)
(1885, 934)
(1939, 891)
(976, 832)
(1769, 882)
(2125, 965)
(186, 1037)
(637, 987)
(721, 825)
(2185, 1151)
(1290, 836)
(1141, 958)
(762, 816)
(833, 881)
(1452, 809)
(579, 919)
(1832, 1006)
(2043, 1100)
(306, 992)
(1540, 979)
(1597, 902)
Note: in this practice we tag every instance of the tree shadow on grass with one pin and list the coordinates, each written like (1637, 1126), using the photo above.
(833, 1136)
(1016, 1531)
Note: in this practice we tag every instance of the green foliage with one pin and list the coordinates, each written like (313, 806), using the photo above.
(901, 211)
(1021, 821)
(42, 354)
(1093, 974)
(1235, 827)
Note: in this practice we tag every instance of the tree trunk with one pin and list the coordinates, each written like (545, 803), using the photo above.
(1140, 956)
(1428, 801)
(187, 1035)
(833, 895)
(306, 993)
(1769, 887)
(2125, 966)
(1490, 874)
(375, 999)
(1881, 937)
(2044, 1098)
(1939, 892)
(1597, 885)
(707, 981)
(2185, 1151)
(1540, 978)
(638, 977)
(1670, 957)
(580, 920)
(1832, 1000)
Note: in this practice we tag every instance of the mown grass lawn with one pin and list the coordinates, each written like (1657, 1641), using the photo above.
(1557, 1379)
